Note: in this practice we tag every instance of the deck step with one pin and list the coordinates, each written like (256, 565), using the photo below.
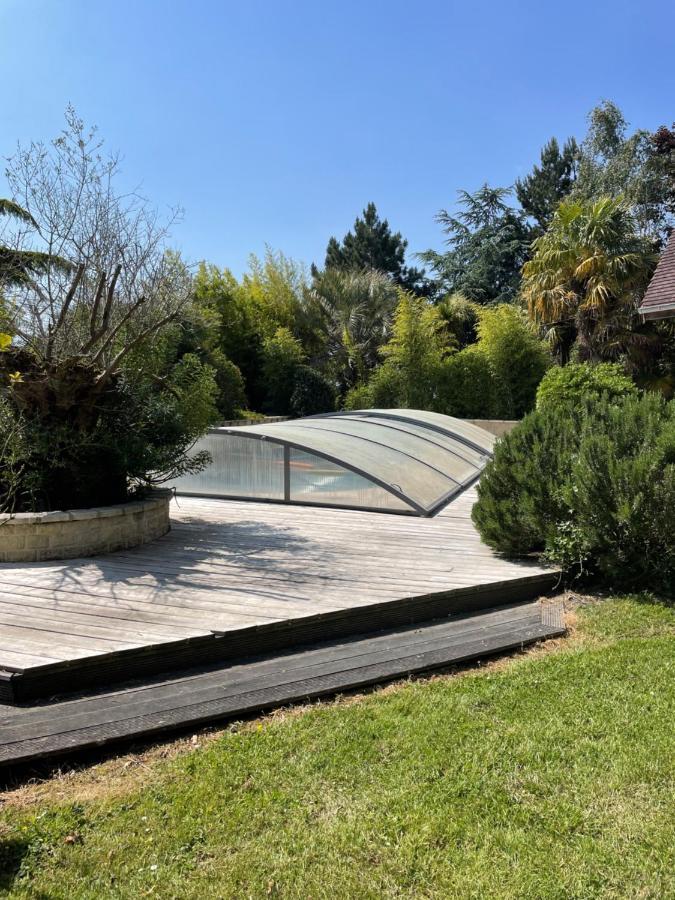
(198, 696)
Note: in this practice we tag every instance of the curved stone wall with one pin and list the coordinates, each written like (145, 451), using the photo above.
(68, 534)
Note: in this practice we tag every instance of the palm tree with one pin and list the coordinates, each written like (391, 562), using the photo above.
(354, 310)
(585, 279)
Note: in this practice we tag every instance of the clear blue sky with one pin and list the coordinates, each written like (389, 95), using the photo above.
(276, 122)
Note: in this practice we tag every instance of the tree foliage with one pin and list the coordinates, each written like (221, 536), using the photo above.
(592, 486)
(540, 192)
(613, 163)
(663, 144)
(489, 242)
(282, 357)
(585, 278)
(373, 245)
(106, 289)
(312, 393)
(414, 355)
(569, 386)
(517, 358)
(353, 312)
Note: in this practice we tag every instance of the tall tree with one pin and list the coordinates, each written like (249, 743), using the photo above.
(540, 192)
(613, 163)
(489, 242)
(663, 144)
(373, 245)
(585, 278)
(413, 356)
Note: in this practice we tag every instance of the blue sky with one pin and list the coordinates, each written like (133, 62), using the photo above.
(276, 122)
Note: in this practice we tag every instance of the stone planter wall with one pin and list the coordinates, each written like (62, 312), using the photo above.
(68, 534)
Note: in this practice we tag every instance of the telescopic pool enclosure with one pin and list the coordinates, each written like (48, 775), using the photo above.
(385, 460)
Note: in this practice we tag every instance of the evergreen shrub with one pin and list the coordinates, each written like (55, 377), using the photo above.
(592, 488)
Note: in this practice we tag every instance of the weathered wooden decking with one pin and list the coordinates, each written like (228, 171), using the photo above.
(237, 578)
(224, 691)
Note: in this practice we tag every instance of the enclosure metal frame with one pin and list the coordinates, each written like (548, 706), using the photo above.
(415, 508)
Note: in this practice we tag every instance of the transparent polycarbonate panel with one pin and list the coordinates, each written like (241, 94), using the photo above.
(417, 481)
(317, 480)
(240, 467)
(449, 424)
(415, 445)
(477, 458)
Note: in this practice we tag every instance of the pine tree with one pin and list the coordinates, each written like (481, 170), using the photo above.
(373, 245)
(540, 192)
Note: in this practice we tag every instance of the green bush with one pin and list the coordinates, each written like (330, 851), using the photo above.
(12, 452)
(591, 488)
(570, 385)
(231, 395)
(312, 393)
(467, 386)
(359, 397)
(282, 357)
(519, 494)
(140, 434)
(517, 358)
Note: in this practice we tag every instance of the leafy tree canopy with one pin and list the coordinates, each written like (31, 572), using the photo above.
(663, 143)
(614, 163)
(489, 242)
(540, 192)
(353, 311)
(373, 245)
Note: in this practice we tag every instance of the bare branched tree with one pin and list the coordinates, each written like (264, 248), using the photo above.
(110, 285)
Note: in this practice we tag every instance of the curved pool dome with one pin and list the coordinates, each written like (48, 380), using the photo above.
(386, 460)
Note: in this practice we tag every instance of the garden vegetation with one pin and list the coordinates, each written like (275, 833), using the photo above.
(118, 354)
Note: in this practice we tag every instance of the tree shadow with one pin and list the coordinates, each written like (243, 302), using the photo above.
(255, 560)
(12, 854)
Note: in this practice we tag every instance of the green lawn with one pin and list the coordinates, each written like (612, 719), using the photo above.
(550, 775)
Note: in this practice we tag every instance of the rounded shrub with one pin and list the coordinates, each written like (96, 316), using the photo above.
(570, 385)
(593, 488)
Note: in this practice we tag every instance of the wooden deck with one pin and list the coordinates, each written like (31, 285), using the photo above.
(234, 579)
(193, 698)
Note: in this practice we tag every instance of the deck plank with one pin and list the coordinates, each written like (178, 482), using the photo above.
(230, 566)
(197, 697)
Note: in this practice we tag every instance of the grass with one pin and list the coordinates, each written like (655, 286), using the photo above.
(550, 775)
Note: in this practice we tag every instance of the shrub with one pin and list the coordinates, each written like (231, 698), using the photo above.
(359, 397)
(467, 386)
(570, 385)
(141, 435)
(413, 357)
(593, 488)
(12, 452)
(282, 356)
(312, 393)
(519, 493)
(231, 395)
(517, 358)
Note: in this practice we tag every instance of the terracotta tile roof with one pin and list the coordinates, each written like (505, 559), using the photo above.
(659, 301)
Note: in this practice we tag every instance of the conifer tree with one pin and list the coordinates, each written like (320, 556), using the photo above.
(540, 192)
(373, 245)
